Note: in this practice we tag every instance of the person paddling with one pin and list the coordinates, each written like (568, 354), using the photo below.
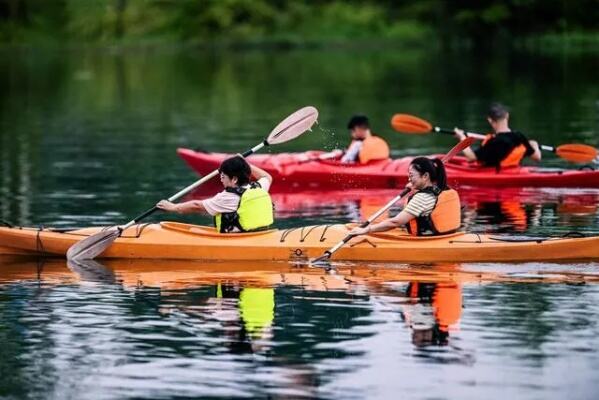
(243, 205)
(432, 209)
(504, 147)
(365, 146)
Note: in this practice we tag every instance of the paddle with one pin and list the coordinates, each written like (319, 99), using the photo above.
(327, 254)
(290, 128)
(577, 153)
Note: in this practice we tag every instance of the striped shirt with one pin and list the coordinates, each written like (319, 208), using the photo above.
(421, 204)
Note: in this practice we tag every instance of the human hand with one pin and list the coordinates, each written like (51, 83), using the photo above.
(459, 134)
(166, 205)
(359, 231)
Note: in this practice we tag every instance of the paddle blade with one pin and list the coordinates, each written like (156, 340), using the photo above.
(294, 125)
(457, 148)
(578, 153)
(93, 245)
(406, 123)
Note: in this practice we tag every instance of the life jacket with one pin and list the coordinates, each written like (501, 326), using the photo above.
(513, 158)
(446, 217)
(254, 212)
(373, 148)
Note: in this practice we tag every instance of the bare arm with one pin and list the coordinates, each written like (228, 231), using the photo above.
(188, 207)
(390, 223)
(468, 153)
(537, 150)
(258, 173)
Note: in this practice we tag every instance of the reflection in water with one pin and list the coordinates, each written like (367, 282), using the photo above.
(89, 138)
(433, 311)
(151, 328)
(75, 125)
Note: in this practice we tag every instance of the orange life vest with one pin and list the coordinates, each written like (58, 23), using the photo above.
(513, 158)
(446, 217)
(373, 148)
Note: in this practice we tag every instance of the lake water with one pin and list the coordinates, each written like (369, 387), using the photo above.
(89, 138)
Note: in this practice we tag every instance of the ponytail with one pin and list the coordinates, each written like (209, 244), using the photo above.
(435, 169)
(441, 180)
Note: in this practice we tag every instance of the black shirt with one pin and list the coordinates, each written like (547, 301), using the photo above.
(499, 147)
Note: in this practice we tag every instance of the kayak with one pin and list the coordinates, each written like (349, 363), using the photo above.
(290, 170)
(173, 240)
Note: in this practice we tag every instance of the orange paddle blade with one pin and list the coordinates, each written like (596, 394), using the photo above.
(578, 153)
(410, 124)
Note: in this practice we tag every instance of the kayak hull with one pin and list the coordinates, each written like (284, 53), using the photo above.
(171, 240)
(290, 170)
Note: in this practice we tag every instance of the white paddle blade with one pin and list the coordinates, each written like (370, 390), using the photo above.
(93, 245)
(294, 125)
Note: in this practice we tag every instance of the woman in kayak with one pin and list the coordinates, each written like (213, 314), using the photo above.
(365, 146)
(243, 206)
(432, 209)
(503, 147)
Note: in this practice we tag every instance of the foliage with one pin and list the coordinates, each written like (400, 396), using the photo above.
(297, 21)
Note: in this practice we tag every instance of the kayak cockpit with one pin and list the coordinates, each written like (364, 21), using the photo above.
(200, 230)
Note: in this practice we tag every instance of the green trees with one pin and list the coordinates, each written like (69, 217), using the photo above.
(294, 21)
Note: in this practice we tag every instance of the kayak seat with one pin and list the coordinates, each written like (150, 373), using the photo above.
(402, 234)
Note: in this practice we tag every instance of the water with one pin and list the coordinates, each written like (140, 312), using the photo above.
(89, 138)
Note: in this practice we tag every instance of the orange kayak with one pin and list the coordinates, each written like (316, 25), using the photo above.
(172, 240)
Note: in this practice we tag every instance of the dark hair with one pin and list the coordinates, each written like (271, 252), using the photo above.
(236, 167)
(435, 169)
(497, 111)
(358, 120)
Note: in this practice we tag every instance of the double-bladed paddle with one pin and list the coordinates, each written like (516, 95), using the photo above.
(290, 128)
(450, 154)
(574, 152)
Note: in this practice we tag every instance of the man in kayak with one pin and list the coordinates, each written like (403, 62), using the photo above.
(243, 206)
(503, 147)
(432, 209)
(364, 146)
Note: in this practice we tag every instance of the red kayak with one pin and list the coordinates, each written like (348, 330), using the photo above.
(291, 170)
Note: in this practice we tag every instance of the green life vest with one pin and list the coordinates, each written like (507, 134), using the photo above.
(254, 212)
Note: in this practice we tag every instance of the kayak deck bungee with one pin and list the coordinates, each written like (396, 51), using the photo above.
(292, 169)
(173, 240)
